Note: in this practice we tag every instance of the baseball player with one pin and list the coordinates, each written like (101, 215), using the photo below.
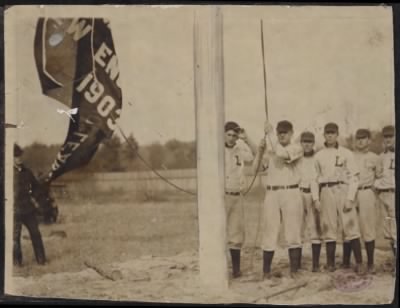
(385, 186)
(238, 149)
(369, 167)
(310, 196)
(338, 182)
(283, 201)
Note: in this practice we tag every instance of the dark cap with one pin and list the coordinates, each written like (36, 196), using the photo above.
(331, 128)
(363, 133)
(388, 131)
(232, 126)
(307, 136)
(284, 127)
(17, 150)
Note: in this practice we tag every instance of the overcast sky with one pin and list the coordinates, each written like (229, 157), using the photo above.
(323, 64)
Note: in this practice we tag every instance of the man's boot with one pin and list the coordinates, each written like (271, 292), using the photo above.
(267, 261)
(356, 247)
(370, 247)
(17, 255)
(330, 256)
(316, 252)
(346, 254)
(235, 255)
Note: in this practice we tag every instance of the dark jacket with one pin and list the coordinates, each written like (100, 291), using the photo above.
(25, 184)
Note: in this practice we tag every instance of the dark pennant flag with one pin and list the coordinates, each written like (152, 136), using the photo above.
(78, 66)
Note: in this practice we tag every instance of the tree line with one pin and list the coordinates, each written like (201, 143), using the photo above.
(116, 155)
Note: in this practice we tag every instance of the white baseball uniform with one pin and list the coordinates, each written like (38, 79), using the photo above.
(385, 186)
(283, 201)
(234, 185)
(310, 193)
(369, 167)
(338, 180)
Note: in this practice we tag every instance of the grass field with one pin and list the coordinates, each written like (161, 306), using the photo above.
(115, 227)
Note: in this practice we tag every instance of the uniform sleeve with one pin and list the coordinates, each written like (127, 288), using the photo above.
(353, 174)
(378, 166)
(314, 186)
(290, 153)
(318, 168)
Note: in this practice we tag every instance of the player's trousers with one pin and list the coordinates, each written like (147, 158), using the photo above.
(366, 208)
(234, 221)
(31, 223)
(311, 229)
(283, 205)
(333, 199)
(388, 207)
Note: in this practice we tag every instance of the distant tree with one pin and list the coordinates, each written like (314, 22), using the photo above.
(156, 155)
(108, 155)
(129, 152)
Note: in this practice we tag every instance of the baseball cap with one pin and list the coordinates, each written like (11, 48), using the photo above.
(307, 136)
(388, 131)
(284, 127)
(331, 128)
(232, 126)
(363, 133)
(17, 150)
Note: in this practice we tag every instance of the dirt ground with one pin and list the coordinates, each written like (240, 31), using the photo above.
(152, 246)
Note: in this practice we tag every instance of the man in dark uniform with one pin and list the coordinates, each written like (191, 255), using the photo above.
(25, 185)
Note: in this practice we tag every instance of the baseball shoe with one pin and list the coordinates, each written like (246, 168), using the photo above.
(316, 269)
(371, 269)
(345, 266)
(267, 276)
(295, 275)
(236, 274)
(359, 269)
(331, 268)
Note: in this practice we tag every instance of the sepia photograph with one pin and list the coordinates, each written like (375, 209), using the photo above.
(209, 154)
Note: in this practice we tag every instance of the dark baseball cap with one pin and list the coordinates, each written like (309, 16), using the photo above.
(363, 133)
(284, 127)
(388, 131)
(232, 126)
(17, 150)
(331, 128)
(307, 136)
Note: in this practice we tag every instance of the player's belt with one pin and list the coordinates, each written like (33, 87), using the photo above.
(282, 187)
(329, 184)
(232, 193)
(365, 187)
(305, 190)
(386, 190)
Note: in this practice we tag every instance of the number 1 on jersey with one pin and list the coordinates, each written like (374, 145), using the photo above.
(237, 160)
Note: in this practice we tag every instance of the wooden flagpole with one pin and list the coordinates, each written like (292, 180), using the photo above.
(209, 100)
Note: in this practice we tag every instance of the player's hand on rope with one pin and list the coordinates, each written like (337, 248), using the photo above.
(268, 128)
(262, 145)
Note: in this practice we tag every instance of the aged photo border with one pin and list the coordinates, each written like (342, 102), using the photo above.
(20, 299)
